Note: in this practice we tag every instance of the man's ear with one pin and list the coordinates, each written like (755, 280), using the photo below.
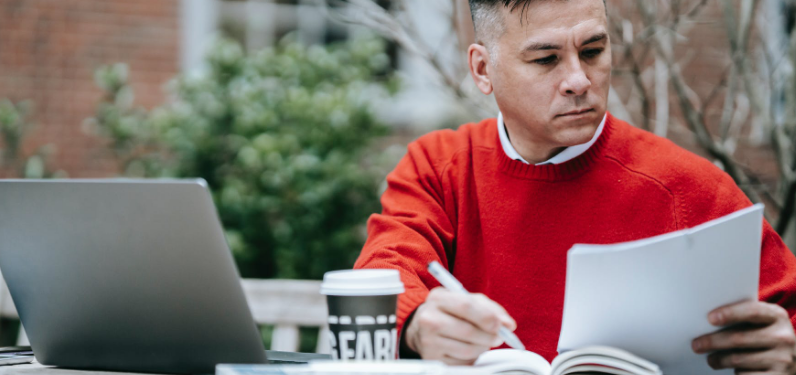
(478, 57)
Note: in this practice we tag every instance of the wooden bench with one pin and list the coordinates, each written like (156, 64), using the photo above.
(288, 304)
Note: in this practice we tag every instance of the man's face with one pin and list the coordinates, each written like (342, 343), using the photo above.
(553, 71)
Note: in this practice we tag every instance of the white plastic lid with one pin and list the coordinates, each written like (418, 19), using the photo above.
(369, 282)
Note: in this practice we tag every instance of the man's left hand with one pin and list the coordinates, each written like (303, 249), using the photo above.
(760, 340)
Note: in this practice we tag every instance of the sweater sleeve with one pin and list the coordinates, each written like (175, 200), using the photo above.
(777, 272)
(412, 230)
(777, 262)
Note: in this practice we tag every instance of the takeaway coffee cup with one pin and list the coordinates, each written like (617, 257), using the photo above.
(362, 305)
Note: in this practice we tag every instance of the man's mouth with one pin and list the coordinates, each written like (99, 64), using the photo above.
(576, 112)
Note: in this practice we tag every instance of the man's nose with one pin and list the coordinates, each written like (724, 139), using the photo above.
(575, 82)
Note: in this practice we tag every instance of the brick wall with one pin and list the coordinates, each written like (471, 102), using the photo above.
(49, 50)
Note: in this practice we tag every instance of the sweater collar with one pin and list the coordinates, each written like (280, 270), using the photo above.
(567, 154)
(565, 170)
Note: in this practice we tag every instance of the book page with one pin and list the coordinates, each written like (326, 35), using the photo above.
(609, 352)
(505, 361)
(595, 369)
(607, 364)
(651, 297)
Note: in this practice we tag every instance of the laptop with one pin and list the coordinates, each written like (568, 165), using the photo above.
(126, 275)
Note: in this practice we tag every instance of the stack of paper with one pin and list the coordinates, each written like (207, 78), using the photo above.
(651, 297)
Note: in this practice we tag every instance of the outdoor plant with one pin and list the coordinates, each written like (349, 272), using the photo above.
(284, 138)
(14, 126)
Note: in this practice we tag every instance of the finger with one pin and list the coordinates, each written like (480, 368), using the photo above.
(754, 312)
(736, 338)
(468, 308)
(450, 361)
(458, 329)
(749, 360)
(455, 349)
(461, 305)
(504, 316)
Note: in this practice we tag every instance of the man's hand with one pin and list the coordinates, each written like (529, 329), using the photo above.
(760, 341)
(456, 328)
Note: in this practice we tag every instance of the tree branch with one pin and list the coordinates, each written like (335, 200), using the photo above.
(692, 116)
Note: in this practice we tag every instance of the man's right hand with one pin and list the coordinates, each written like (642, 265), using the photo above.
(456, 328)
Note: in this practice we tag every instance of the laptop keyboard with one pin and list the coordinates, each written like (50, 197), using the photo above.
(288, 358)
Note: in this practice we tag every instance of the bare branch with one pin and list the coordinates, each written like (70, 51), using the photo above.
(697, 8)
(404, 32)
(692, 116)
(729, 103)
(635, 68)
(661, 97)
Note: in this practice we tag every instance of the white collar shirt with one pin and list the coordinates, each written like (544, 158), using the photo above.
(569, 153)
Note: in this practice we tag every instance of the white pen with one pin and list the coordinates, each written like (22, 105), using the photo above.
(449, 282)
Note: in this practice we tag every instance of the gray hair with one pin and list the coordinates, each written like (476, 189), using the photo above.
(488, 22)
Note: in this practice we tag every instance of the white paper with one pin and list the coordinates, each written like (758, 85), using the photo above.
(651, 297)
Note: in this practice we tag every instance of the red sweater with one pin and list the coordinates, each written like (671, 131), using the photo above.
(504, 227)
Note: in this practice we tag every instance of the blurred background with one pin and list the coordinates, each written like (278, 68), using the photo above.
(294, 111)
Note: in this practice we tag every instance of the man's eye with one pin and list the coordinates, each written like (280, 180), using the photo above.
(546, 60)
(594, 52)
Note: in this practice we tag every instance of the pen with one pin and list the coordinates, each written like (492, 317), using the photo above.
(449, 282)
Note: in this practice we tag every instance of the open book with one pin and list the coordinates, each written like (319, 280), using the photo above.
(593, 359)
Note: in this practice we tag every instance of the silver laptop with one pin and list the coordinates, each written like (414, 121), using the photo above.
(129, 275)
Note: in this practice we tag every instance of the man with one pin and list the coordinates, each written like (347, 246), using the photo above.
(500, 202)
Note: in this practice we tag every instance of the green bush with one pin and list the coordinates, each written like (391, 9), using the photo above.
(14, 127)
(284, 139)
